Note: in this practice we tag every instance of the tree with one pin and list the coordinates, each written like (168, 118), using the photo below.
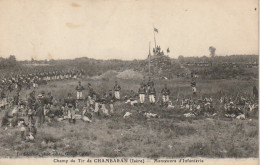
(181, 58)
(212, 51)
(12, 60)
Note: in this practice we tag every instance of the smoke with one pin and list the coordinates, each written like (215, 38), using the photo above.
(212, 51)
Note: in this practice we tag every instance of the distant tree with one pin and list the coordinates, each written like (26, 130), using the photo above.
(181, 58)
(212, 51)
(12, 60)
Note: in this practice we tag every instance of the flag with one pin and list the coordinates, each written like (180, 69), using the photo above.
(168, 50)
(156, 30)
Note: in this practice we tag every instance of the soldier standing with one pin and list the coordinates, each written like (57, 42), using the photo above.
(141, 92)
(255, 92)
(151, 93)
(90, 94)
(79, 89)
(111, 100)
(71, 104)
(40, 110)
(193, 86)
(31, 105)
(3, 97)
(165, 94)
(117, 89)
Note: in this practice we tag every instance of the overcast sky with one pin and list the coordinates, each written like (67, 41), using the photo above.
(122, 29)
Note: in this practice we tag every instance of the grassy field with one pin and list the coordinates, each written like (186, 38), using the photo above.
(171, 135)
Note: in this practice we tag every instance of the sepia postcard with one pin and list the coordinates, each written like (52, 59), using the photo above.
(129, 82)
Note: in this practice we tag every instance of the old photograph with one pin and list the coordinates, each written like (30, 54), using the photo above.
(120, 81)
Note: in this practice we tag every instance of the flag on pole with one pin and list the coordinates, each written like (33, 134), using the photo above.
(156, 30)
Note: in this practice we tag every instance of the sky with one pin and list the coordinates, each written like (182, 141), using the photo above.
(123, 29)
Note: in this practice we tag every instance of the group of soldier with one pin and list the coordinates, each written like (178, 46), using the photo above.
(19, 81)
(45, 108)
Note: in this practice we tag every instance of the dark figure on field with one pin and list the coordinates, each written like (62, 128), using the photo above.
(165, 95)
(79, 89)
(193, 86)
(255, 92)
(117, 89)
(90, 91)
(16, 98)
(49, 99)
(33, 130)
(141, 92)
(3, 98)
(40, 110)
(71, 104)
(111, 99)
(152, 94)
(31, 106)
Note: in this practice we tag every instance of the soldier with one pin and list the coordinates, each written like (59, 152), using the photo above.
(133, 98)
(40, 110)
(193, 86)
(23, 131)
(141, 92)
(103, 105)
(33, 129)
(91, 94)
(117, 89)
(79, 89)
(16, 98)
(49, 99)
(97, 100)
(31, 105)
(111, 99)
(152, 93)
(165, 94)
(19, 85)
(71, 104)
(3, 97)
(35, 82)
(255, 92)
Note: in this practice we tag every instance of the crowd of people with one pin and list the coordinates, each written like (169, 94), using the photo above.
(32, 80)
(37, 109)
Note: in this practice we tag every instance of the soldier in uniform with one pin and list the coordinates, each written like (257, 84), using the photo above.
(3, 97)
(152, 94)
(111, 99)
(40, 110)
(71, 104)
(193, 86)
(117, 89)
(141, 92)
(33, 129)
(165, 95)
(91, 94)
(16, 98)
(103, 105)
(255, 92)
(31, 105)
(79, 89)
(49, 99)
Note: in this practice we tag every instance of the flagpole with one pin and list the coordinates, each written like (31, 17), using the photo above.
(149, 58)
